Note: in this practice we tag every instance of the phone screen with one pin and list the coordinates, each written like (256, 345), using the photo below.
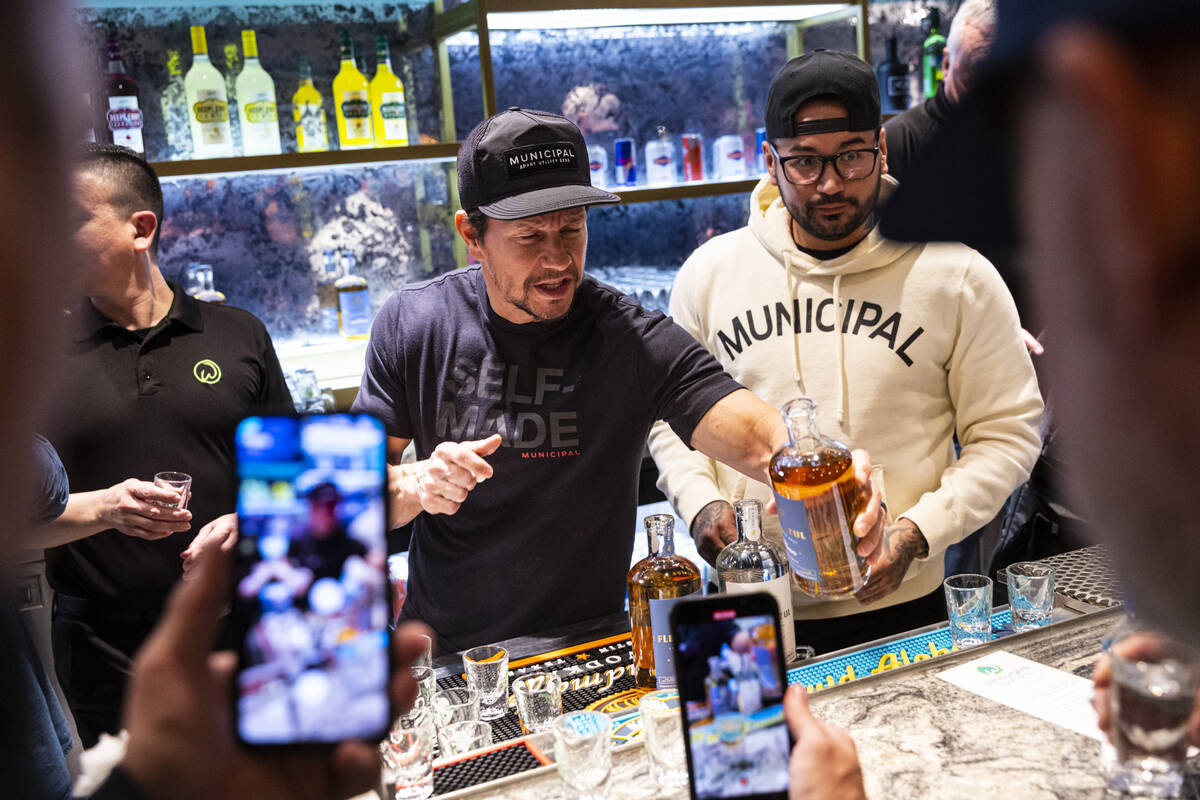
(310, 604)
(731, 687)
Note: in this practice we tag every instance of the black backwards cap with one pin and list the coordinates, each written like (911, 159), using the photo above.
(520, 163)
(965, 169)
(821, 72)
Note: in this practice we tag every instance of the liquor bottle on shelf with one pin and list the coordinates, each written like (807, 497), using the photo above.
(598, 165)
(354, 301)
(818, 498)
(655, 584)
(351, 100)
(199, 284)
(755, 564)
(233, 68)
(308, 111)
(327, 294)
(660, 159)
(174, 106)
(122, 116)
(208, 105)
(388, 113)
(257, 116)
(892, 75)
(931, 51)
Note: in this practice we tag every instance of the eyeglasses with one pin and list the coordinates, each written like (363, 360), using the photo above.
(850, 165)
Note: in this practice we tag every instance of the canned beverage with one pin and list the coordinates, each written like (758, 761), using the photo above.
(729, 162)
(693, 156)
(660, 162)
(760, 162)
(598, 164)
(625, 165)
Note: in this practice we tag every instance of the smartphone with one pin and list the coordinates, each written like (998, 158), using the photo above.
(729, 668)
(310, 605)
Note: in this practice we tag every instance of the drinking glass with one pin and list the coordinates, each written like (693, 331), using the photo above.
(582, 751)
(664, 739)
(969, 605)
(179, 481)
(460, 704)
(539, 700)
(426, 684)
(463, 737)
(426, 657)
(1030, 594)
(1152, 696)
(487, 673)
(408, 752)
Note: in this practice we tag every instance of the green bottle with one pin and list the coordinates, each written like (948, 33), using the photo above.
(931, 50)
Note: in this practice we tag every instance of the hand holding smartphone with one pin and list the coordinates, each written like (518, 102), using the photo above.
(729, 667)
(310, 607)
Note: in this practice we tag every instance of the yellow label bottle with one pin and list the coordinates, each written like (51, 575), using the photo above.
(351, 100)
(388, 115)
(308, 112)
(208, 108)
(256, 102)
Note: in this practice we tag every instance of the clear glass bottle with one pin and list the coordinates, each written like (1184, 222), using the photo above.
(354, 301)
(755, 564)
(174, 106)
(351, 100)
(655, 584)
(308, 110)
(258, 117)
(204, 290)
(327, 294)
(389, 115)
(233, 68)
(818, 498)
(208, 104)
(123, 116)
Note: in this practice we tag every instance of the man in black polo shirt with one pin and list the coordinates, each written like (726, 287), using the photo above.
(156, 381)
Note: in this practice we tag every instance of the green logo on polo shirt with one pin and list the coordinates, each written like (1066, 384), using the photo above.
(207, 371)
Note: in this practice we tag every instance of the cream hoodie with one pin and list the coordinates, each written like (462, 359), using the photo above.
(899, 344)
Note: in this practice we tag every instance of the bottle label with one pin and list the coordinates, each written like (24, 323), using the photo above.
(125, 122)
(354, 310)
(210, 110)
(391, 108)
(781, 589)
(797, 537)
(311, 135)
(356, 110)
(261, 110)
(660, 632)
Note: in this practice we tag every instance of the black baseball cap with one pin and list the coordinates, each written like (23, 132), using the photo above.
(960, 187)
(521, 162)
(822, 72)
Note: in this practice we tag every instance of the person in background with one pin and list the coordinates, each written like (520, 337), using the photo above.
(901, 345)
(1090, 170)
(155, 381)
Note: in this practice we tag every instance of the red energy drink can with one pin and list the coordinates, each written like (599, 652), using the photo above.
(693, 157)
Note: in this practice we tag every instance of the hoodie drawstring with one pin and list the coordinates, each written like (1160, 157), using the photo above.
(843, 392)
(792, 287)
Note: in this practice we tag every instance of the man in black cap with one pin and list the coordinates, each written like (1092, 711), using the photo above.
(551, 376)
(901, 345)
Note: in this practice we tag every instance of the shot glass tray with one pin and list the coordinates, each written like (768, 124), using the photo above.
(500, 761)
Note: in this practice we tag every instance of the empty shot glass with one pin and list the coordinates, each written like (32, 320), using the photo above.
(426, 684)
(180, 482)
(539, 700)
(408, 753)
(969, 606)
(663, 727)
(487, 673)
(460, 704)
(583, 751)
(463, 737)
(1030, 594)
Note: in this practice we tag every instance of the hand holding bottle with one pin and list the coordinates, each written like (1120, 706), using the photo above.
(713, 528)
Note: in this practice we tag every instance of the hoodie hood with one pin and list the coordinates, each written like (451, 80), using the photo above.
(771, 224)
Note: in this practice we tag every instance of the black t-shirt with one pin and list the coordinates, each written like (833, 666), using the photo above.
(907, 133)
(51, 488)
(133, 405)
(547, 540)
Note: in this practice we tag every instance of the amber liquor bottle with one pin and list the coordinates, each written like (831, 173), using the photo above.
(818, 499)
(655, 584)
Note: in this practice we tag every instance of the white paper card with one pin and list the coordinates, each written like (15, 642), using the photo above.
(1044, 692)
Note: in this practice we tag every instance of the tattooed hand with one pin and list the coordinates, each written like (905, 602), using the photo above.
(901, 542)
(713, 528)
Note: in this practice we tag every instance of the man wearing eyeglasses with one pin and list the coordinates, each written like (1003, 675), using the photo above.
(901, 345)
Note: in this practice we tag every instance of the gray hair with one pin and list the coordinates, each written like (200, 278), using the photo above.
(964, 61)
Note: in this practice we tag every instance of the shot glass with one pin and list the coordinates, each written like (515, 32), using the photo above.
(583, 751)
(487, 673)
(539, 700)
(408, 752)
(460, 704)
(425, 659)
(426, 684)
(1030, 594)
(969, 605)
(179, 481)
(1151, 699)
(664, 739)
(463, 737)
